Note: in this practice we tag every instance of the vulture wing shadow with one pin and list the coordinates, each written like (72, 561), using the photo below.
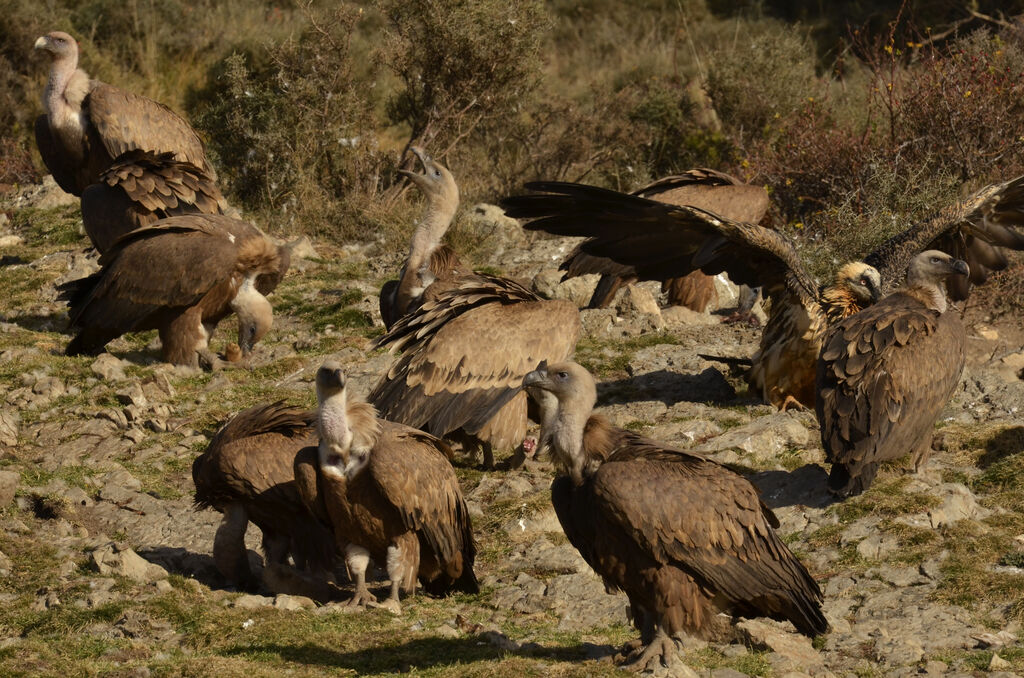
(669, 387)
(806, 486)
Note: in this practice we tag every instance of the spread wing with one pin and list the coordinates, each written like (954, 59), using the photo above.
(126, 121)
(691, 512)
(883, 376)
(466, 351)
(974, 230)
(665, 241)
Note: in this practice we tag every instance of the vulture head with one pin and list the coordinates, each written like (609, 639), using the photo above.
(255, 315)
(348, 427)
(861, 280)
(435, 182)
(929, 270)
(59, 46)
(576, 393)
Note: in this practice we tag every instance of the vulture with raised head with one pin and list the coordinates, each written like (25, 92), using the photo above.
(247, 474)
(390, 494)
(708, 189)
(886, 373)
(466, 340)
(662, 241)
(181, 276)
(429, 259)
(142, 187)
(681, 535)
(88, 123)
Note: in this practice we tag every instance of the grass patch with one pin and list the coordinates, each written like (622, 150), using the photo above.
(886, 498)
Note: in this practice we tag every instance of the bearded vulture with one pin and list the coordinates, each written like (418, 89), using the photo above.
(389, 493)
(708, 189)
(466, 339)
(662, 241)
(142, 187)
(246, 473)
(681, 535)
(875, 402)
(181, 275)
(88, 123)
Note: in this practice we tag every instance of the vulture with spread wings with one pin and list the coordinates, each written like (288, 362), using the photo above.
(708, 189)
(466, 339)
(662, 241)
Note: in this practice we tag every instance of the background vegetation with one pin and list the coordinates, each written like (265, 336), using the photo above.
(859, 117)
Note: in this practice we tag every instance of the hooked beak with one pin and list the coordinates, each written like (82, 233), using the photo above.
(333, 378)
(960, 267)
(422, 156)
(538, 376)
(874, 291)
(41, 43)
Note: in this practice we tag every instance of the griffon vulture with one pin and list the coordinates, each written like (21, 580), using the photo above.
(142, 187)
(885, 374)
(708, 189)
(181, 275)
(247, 474)
(88, 123)
(467, 340)
(429, 260)
(663, 241)
(681, 535)
(390, 494)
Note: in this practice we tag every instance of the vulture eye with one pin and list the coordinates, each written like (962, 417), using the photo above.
(252, 331)
(437, 172)
(563, 375)
(935, 260)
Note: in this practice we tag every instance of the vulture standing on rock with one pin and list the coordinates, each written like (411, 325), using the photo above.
(181, 275)
(886, 373)
(681, 535)
(662, 241)
(142, 187)
(88, 124)
(707, 189)
(246, 473)
(466, 339)
(390, 494)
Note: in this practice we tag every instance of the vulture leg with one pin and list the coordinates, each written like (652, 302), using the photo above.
(184, 337)
(229, 552)
(791, 403)
(488, 452)
(920, 456)
(842, 484)
(356, 560)
(275, 548)
(658, 653)
(397, 572)
(90, 341)
(605, 291)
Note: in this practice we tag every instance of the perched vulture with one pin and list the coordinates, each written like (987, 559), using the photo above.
(247, 474)
(181, 275)
(390, 494)
(467, 339)
(88, 123)
(708, 189)
(142, 187)
(429, 260)
(681, 535)
(885, 374)
(662, 241)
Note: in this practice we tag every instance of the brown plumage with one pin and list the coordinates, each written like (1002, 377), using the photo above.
(390, 494)
(885, 374)
(663, 241)
(181, 275)
(142, 187)
(467, 339)
(247, 474)
(681, 535)
(429, 260)
(707, 189)
(88, 123)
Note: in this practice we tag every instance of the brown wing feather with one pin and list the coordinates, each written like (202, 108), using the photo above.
(715, 528)
(991, 216)
(466, 352)
(59, 162)
(126, 121)
(884, 375)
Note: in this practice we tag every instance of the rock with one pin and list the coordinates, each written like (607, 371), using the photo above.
(10, 240)
(9, 421)
(9, 481)
(795, 650)
(763, 438)
(986, 332)
(638, 301)
(676, 316)
(958, 505)
(877, 546)
(108, 367)
(249, 602)
(997, 663)
(580, 602)
(548, 283)
(110, 559)
(284, 601)
(302, 248)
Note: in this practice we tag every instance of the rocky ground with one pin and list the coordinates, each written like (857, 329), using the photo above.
(105, 567)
